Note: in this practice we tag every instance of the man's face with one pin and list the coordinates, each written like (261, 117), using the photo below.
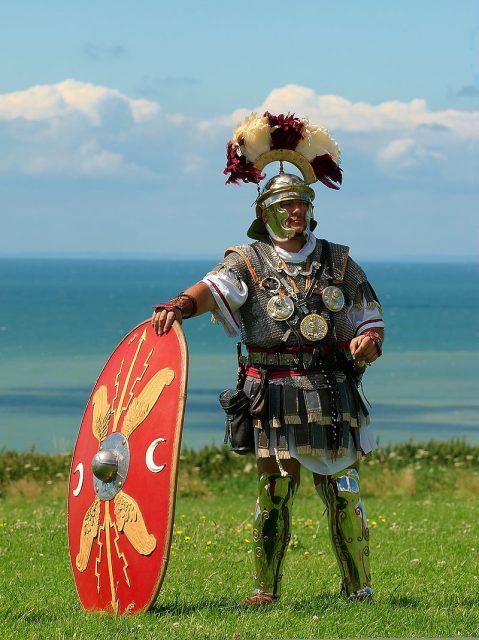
(297, 210)
(286, 219)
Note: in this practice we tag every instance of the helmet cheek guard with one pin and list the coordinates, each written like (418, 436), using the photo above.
(276, 223)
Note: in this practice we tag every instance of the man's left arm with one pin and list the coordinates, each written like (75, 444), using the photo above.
(196, 300)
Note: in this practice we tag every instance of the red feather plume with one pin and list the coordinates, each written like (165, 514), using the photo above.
(239, 167)
(327, 171)
(286, 132)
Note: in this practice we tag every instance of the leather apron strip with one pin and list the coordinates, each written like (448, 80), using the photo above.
(313, 406)
(274, 402)
(302, 430)
(290, 405)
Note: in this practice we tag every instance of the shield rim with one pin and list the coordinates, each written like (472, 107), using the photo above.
(178, 329)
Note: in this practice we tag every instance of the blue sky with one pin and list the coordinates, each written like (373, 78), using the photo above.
(114, 118)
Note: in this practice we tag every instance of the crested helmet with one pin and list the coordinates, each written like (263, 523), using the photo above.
(261, 140)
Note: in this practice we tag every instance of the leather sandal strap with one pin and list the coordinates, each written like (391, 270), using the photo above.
(260, 598)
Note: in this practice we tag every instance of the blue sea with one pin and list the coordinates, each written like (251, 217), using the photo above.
(60, 320)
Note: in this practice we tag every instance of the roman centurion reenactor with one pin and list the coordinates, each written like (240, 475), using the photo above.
(310, 322)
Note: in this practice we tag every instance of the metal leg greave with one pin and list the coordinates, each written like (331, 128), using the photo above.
(272, 530)
(348, 531)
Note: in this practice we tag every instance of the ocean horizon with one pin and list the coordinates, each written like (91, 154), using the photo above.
(199, 257)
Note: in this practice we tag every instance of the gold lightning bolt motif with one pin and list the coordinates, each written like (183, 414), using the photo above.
(98, 558)
(117, 383)
(120, 554)
(139, 378)
(119, 408)
(108, 524)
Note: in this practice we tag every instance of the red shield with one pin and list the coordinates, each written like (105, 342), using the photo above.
(122, 486)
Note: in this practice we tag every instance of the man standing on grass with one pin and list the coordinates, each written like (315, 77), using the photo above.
(310, 322)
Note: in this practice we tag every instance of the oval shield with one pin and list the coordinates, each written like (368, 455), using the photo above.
(122, 487)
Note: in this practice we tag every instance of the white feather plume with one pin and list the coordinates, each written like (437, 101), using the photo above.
(316, 142)
(253, 136)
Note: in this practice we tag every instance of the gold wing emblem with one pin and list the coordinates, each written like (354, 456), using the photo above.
(130, 521)
(101, 413)
(88, 533)
(141, 406)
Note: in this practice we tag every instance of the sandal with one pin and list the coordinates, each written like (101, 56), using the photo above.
(260, 598)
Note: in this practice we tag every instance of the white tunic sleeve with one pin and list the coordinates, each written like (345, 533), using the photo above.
(230, 294)
(365, 318)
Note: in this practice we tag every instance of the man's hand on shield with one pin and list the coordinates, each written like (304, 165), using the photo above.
(163, 320)
(193, 302)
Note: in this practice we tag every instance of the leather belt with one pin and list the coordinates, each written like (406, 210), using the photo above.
(278, 359)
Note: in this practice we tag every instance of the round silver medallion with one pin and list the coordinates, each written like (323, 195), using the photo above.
(280, 307)
(313, 327)
(333, 298)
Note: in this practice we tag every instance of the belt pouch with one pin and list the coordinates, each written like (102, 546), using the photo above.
(238, 423)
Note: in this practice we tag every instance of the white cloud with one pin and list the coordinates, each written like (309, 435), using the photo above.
(338, 113)
(78, 128)
(396, 150)
(73, 128)
(46, 102)
(405, 153)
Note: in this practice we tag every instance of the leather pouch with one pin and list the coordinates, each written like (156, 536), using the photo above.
(239, 424)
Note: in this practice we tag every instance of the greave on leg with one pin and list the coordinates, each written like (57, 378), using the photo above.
(272, 530)
(349, 532)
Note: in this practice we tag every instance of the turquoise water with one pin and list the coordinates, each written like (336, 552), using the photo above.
(60, 320)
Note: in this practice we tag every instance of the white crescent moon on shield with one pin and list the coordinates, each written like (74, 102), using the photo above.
(78, 468)
(154, 468)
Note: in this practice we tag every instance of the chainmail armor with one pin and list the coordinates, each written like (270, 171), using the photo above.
(258, 328)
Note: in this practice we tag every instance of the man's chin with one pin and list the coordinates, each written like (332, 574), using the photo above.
(298, 229)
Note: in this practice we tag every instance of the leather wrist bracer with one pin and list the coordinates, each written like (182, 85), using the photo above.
(185, 304)
(376, 338)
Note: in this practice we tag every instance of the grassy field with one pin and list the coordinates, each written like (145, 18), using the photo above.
(423, 512)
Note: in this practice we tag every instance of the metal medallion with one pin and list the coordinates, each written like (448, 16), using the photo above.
(270, 284)
(314, 327)
(333, 298)
(280, 307)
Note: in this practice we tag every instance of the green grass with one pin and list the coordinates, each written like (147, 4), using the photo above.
(425, 560)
